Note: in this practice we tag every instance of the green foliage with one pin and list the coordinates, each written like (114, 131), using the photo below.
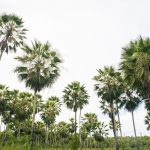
(39, 66)
(74, 143)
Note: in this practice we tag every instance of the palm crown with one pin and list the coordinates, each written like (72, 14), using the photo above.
(39, 66)
(12, 33)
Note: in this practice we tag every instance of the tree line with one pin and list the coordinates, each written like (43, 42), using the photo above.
(126, 86)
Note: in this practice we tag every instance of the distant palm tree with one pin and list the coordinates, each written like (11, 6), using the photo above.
(49, 112)
(39, 69)
(75, 97)
(82, 102)
(90, 122)
(12, 33)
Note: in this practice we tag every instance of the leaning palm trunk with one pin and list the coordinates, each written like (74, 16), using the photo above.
(114, 126)
(33, 120)
(3, 44)
(134, 130)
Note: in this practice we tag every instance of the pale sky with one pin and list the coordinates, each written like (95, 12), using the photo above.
(88, 34)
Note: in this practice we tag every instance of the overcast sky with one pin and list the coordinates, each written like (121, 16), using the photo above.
(89, 35)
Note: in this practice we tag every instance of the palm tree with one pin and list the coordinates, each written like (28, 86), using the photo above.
(109, 88)
(12, 33)
(63, 131)
(100, 132)
(39, 69)
(49, 112)
(75, 96)
(82, 102)
(135, 65)
(22, 109)
(90, 123)
(131, 103)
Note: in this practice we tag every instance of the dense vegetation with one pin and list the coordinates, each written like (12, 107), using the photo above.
(39, 67)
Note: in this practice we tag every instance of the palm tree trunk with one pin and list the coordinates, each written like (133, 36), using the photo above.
(46, 136)
(114, 126)
(90, 142)
(75, 117)
(0, 122)
(33, 120)
(134, 130)
(19, 129)
(1, 53)
(119, 122)
(79, 130)
(133, 123)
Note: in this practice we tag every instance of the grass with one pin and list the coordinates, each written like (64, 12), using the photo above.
(37, 148)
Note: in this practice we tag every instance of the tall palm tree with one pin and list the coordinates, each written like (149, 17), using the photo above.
(109, 88)
(82, 102)
(135, 65)
(75, 97)
(39, 69)
(12, 33)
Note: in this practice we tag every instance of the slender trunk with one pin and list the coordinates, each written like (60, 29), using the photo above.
(119, 122)
(114, 126)
(33, 119)
(133, 124)
(79, 130)
(118, 114)
(0, 122)
(75, 117)
(46, 136)
(134, 130)
(19, 127)
(90, 141)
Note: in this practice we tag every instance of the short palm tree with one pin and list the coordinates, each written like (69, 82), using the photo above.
(49, 112)
(12, 33)
(39, 68)
(90, 122)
